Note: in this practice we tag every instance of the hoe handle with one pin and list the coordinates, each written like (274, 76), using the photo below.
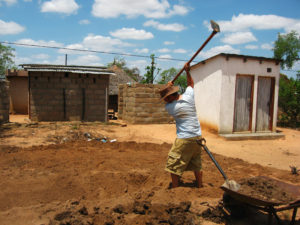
(202, 143)
(216, 29)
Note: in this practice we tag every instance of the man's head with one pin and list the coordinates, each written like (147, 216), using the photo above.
(169, 93)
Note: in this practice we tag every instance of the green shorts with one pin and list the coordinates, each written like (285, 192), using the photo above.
(185, 155)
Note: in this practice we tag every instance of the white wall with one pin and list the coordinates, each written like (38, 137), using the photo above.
(250, 67)
(215, 89)
(208, 83)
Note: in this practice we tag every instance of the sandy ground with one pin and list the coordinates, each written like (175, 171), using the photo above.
(281, 153)
(94, 173)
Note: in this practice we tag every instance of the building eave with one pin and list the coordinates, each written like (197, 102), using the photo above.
(244, 57)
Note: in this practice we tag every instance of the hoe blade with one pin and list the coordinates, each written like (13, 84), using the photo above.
(215, 26)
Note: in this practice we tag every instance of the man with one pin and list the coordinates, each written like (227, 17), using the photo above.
(185, 154)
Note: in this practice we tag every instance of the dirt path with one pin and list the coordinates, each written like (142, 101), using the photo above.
(280, 153)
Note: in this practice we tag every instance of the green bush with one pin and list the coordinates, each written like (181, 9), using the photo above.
(289, 102)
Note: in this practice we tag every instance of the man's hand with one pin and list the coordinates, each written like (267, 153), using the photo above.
(187, 67)
(170, 83)
(189, 79)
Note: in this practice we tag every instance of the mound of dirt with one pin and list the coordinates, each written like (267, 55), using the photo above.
(214, 214)
(137, 212)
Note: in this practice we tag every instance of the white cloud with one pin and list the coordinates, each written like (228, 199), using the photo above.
(143, 50)
(134, 8)
(28, 41)
(8, 2)
(90, 42)
(267, 46)
(239, 38)
(166, 50)
(163, 50)
(140, 64)
(167, 56)
(60, 6)
(176, 27)
(169, 42)
(131, 33)
(178, 10)
(84, 22)
(87, 60)
(41, 56)
(219, 49)
(102, 43)
(23, 60)
(10, 28)
(180, 50)
(251, 47)
(72, 52)
(244, 22)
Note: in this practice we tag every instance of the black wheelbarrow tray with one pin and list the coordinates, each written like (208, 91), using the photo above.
(270, 207)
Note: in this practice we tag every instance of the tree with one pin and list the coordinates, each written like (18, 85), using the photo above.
(287, 48)
(134, 73)
(289, 101)
(6, 58)
(168, 75)
(150, 75)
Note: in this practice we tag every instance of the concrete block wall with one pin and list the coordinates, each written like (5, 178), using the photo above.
(140, 104)
(4, 101)
(59, 96)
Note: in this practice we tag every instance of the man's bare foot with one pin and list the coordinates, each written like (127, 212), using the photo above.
(198, 185)
(171, 186)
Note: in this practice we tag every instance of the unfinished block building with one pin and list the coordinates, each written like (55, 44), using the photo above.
(67, 93)
(4, 101)
(141, 104)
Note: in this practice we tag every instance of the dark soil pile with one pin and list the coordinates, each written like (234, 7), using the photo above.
(139, 212)
(264, 189)
(214, 214)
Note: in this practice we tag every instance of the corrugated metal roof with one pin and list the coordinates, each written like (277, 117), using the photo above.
(69, 69)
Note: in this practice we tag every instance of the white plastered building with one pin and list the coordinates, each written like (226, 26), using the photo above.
(237, 93)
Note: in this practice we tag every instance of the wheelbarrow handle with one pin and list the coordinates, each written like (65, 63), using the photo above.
(202, 143)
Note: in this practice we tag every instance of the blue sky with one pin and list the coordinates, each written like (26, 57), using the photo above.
(167, 28)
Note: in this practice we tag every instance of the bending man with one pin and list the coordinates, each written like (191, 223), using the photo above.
(185, 154)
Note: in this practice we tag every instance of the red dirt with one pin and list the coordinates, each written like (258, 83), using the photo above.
(81, 180)
(54, 181)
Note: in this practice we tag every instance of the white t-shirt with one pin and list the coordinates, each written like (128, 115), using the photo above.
(184, 113)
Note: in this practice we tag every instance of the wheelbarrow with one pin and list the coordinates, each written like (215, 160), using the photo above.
(270, 207)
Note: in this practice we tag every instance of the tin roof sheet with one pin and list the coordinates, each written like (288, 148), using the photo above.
(70, 69)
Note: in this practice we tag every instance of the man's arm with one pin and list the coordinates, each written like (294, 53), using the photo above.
(189, 78)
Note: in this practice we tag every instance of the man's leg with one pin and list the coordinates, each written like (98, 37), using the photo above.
(198, 176)
(175, 180)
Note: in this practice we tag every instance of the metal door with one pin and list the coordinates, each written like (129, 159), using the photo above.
(74, 104)
(265, 101)
(243, 103)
